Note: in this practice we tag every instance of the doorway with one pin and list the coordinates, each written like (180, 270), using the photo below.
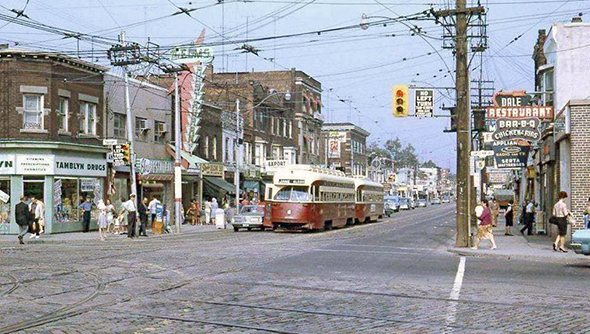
(34, 187)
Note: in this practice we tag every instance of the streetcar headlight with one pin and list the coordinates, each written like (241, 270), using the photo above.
(289, 212)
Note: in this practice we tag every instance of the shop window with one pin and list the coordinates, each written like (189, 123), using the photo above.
(33, 112)
(87, 118)
(69, 193)
(63, 113)
(120, 126)
(4, 206)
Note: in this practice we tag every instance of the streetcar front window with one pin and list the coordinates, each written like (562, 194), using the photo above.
(293, 194)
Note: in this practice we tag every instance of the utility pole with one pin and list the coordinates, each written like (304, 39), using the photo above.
(463, 217)
(177, 157)
(237, 146)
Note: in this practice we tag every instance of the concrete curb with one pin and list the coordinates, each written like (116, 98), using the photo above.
(540, 257)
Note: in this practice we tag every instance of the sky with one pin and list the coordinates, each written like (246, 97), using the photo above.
(357, 67)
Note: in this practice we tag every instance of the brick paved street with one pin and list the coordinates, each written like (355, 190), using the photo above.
(395, 276)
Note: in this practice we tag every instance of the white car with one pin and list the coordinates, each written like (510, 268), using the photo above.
(404, 204)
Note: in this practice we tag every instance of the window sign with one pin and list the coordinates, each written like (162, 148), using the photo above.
(35, 164)
(87, 185)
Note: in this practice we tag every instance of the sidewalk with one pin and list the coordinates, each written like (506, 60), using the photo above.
(76, 237)
(527, 247)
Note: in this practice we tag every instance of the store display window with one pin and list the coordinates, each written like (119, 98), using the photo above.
(5, 201)
(69, 193)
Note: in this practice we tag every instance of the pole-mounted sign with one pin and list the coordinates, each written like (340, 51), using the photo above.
(424, 102)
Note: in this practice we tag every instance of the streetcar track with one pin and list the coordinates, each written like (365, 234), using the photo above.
(15, 284)
(58, 314)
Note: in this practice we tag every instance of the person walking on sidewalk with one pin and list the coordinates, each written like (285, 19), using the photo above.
(529, 218)
(560, 214)
(484, 230)
(509, 216)
(143, 217)
(495, 209)
(36, 214)
(129, 206)
(102, 220)
(22, 215)
(87, 209)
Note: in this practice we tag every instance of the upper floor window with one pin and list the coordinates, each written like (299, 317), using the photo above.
(33, 112)
(226, 149)
(290, 129)
(120, 126)
(87, 117)
(206, 147)
(63, 113)
(160, 132)
(215, 148)
(141, 127)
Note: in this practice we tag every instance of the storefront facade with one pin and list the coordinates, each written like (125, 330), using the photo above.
(61, 175)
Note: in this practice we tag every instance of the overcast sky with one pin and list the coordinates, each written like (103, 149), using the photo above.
(355, 65)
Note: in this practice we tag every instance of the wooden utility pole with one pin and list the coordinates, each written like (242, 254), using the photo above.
(463, 127)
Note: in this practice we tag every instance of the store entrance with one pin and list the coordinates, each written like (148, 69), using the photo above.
(155, 189)
(34, 188)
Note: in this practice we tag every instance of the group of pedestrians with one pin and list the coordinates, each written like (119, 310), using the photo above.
(29, 216)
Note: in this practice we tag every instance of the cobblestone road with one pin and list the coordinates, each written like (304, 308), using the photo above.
(391, 277)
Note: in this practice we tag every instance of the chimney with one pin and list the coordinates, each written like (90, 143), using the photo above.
(576, 19)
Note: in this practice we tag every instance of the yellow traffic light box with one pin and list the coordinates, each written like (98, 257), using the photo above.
(126, 154)
(401, 97)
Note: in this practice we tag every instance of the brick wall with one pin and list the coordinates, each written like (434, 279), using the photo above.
(580, 159)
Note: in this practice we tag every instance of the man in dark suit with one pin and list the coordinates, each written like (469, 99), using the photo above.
(22, 215)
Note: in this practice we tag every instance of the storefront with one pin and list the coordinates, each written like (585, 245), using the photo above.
(61, 179)
(215, 185)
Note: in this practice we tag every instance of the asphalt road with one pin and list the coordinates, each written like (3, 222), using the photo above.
(394, 276)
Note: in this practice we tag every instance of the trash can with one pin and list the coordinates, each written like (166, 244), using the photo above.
(219, 218)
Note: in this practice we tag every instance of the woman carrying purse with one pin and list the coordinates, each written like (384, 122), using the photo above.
(560, 216)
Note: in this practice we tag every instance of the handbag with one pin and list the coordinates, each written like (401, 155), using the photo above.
(571, 220)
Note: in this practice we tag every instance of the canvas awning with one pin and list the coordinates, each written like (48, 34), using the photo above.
(189, 161)
(217, 187)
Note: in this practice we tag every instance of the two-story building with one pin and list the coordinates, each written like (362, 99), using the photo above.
(52, 120)
(345, 148)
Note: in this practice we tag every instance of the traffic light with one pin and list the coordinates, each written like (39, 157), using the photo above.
(401, 98)
(126, 154)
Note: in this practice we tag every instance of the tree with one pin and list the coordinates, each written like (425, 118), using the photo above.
(429, 164)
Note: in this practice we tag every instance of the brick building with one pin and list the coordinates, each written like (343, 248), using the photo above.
(52, 119)
(346, 146)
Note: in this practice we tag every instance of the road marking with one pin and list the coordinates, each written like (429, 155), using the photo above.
(452, 307)
(394, 247)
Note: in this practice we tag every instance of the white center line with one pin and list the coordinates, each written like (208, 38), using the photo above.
(452, 307)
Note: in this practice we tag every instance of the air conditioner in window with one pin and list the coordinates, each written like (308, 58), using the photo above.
(143, 125)
(161, 128)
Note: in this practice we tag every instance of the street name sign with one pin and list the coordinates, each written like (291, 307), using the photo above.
(482, 154)
(424, 102)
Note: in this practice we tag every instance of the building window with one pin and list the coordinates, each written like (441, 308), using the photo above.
(284, 123)
(73, 193)
(215, 148)
(120, 126)
(141, 127)
(226, 149)
(63, 113)
(5, 207)
(87, 117)
(206, 147)
(160, 132)
(260, 154)
(276, 153)
(33, 112)
(290, 129)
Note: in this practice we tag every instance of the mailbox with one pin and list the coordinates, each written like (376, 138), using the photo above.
(581, 242)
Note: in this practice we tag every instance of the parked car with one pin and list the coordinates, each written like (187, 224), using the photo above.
(404, 204)
(446, 199)
(581, 242)
(250, 216)
(435, 200)
(391, 205)
(422, 203)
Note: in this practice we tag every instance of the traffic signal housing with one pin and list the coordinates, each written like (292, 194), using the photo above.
(126, 154)
(401, 97)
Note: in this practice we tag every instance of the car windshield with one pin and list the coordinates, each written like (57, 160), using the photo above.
(251, 209)
(403, 200)
(293, 194)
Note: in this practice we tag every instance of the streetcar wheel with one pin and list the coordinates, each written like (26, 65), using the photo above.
(249, 229)
(236, 229)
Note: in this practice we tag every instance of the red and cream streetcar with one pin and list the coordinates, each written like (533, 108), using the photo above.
(369, 200)
(305, 197)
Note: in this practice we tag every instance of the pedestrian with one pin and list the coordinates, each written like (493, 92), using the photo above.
(509, 216)
(110, 208)
(214, 207)
(36, 214)
(484, 230)
(142, 209)
(87, 209)
(130, 208)
(207, 212)
(41, 212)
(495, 209)
(22, 215)
(559, 218)
(152, 208)
(529, 218)
(102, 220)
(587, 215)
(196, 212)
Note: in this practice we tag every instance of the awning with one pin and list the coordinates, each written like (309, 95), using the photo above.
(189, 161)
(217, 187)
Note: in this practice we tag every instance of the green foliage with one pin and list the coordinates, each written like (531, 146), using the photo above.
(403, 156)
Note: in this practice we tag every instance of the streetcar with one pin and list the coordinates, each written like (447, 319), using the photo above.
(369, 200)
(304, 197)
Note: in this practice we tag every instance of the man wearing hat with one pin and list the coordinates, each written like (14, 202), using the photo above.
(131, 209)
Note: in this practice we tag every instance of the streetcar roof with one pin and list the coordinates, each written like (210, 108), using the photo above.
(362, 181)
(305, 175)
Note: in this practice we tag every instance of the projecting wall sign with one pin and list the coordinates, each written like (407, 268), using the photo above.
(511, 129)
